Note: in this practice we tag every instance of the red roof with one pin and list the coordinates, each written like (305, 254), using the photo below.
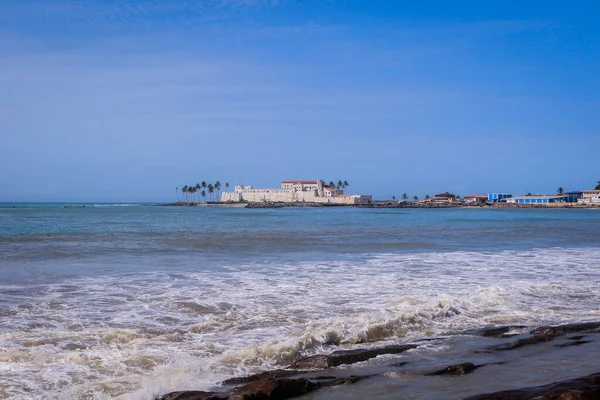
(475, 196)
(301, 182)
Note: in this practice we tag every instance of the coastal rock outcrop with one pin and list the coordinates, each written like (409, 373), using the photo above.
(584, 388)
(341, 357)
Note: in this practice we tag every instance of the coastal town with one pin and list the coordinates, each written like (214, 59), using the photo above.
(319, 193)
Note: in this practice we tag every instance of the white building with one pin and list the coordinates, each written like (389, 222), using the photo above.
(315, 191)
(590, 197)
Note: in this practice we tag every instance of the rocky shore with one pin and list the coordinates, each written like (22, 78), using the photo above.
(321, 372)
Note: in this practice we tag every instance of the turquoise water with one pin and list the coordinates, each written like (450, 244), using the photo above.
(134, 300)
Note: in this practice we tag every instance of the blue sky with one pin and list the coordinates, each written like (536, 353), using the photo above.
(124, 100)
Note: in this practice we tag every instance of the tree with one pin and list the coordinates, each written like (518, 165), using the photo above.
(340, 185)
(203, 193)
(331, 185)
(404, 196)
(393, 197)
(560, 190)
(346, 184)
(203, 184)
(211, 189)
(177, 192)
(427, 197)
(198, 187)
(416, 198)
(184, 190)
(597, 186)
(226, 185)
(218, 189)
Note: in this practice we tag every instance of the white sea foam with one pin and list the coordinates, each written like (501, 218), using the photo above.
(139, 335)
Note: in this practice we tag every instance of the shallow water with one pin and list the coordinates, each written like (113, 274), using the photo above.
(133, 301)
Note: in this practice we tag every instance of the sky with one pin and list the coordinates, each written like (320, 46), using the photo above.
(125, 100)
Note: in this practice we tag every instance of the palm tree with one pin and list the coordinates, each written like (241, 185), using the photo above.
(331, 185)
(184, 190)
(192, 191)
(416, 198)
(346, 184)
(597, 186)
(340, 185)
(198, 187)
(427, 197)
(177, 192)
(226, 185)
(560, 190)
(404, 196)
(203, 184)
(210, 189)
(218, 189)
(393, 197)
(203, 193)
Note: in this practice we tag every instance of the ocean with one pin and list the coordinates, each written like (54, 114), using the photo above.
(131, 301)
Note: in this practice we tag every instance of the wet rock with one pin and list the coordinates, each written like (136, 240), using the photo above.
(347, 357)
(578, 337)
(273, 389)
(497, 331)
(522, 342)
(457, 369)
(319, 361)
(563, 329)
(573, 343)
(192, 395)
(346, 380)
(584, 388)
(278, 373)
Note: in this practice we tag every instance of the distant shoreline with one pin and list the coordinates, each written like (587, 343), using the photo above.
(384, 204)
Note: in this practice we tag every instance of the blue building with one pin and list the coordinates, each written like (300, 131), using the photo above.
(498, 197)
(564, 198)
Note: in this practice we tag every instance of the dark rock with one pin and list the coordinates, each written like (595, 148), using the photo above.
(320, 361)
(562, 329)
(346, 380)
(578, 337)
(278, 373)
(573, 343)
(341, 357)
(399, 364)
(273, 389)
(497, 331)
(522, 342)
(192, 395)
(584, 388)
(458, 369)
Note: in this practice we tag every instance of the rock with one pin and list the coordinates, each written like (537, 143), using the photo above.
(346, 380)
(320, 361)
(562, 329)
(522, 342)
(273, 389)
(341, 357)
(497, 331)
(584, 388)
(573, 343)
(278, 373)
(458, 369)
(192, 395)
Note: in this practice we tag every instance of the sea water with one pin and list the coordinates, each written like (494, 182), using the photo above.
(131, 301)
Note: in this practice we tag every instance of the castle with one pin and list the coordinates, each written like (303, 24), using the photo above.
(315, 191)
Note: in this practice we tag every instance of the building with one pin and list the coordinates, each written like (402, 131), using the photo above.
(475, 199)
(498, 197)
(444, 197)
(543, 199)
(590, 197)
(314, 191)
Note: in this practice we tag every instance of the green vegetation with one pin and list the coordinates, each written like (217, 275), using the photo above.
(189, 191)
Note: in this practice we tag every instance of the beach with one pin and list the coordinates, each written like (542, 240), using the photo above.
(134, 301)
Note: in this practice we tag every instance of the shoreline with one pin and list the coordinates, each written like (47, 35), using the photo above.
(499, 351)
(385, 204)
